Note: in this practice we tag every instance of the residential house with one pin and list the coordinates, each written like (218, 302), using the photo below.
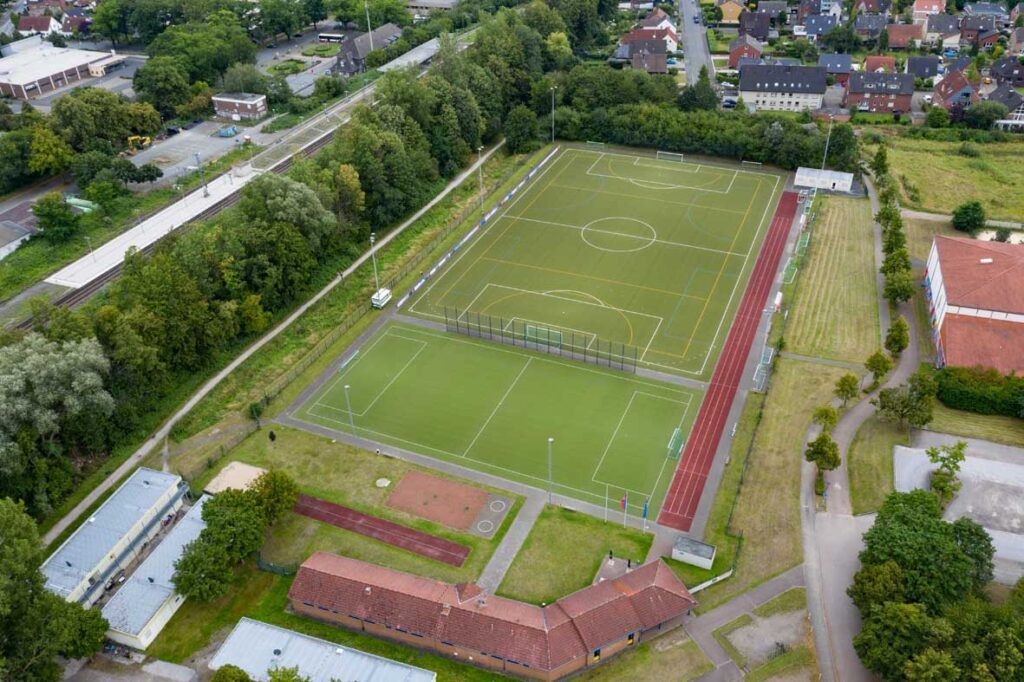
(40, 8)
(923, 67)
(648, 55)
(744, 47)
(1008, 70)
(550, 642)
(805, 9)
(879, 92)
(869, 26)
(731, 11)
(71, 25)
(878, 64)
(838, 66)
(971, 28)
(30, 26)
(959, 64)
(943, 31)
(880, 7)
(665, 36)
(955, 92)
(818, 25)
(1006, 95)
(905, 36)
(783, 88)
(1017, 11)
(776, 10)
(988, 40)
(925, 8)
(1015, 43)
(658, 19)
(988, 9)
(352, 57)
(756, 25)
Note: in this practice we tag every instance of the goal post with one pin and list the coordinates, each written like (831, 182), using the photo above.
(669, 156)
(675, 444)
(599, 145)
(542, 335)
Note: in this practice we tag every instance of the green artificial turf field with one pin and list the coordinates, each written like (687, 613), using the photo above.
(492, 408)
(602, 246)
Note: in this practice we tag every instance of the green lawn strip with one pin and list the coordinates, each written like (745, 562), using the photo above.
(563, 553)
(287, 67)
(1007, 430)
(921, 233)
(791, 600)
(264, 597)
(795, 659)
(322, 50)
(672, 656)
(717, 530)
(869, 462)
(249, 381)
(721, 635)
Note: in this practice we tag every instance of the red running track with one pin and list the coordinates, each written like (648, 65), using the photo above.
(388, 532)
(691, 475)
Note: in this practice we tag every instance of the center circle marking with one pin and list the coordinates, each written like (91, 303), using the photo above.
(594, 226)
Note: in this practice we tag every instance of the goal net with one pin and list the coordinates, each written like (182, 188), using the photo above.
(669, 156)
(675, 444)
(542, 335)
(599, 145)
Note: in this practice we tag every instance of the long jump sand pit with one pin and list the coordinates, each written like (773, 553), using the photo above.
(440, 500)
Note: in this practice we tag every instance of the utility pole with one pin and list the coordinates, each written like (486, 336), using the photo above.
(828, 138)
(373, 256)
(369, 29)
(202, 176)
(480, 175)
(553, 88)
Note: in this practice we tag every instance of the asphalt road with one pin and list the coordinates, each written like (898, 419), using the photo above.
(694, 41)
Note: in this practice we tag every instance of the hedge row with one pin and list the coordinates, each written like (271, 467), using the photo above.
(981, 390)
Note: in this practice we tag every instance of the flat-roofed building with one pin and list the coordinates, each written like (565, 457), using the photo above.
(112, 537)
(147, 600)
(257, 647)
(37, 67)
(240, 105)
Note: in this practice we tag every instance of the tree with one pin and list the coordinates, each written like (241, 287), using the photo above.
(315, 11)
(896, 260)
(230, 673)
(969, 216)
(900, 286)
(879, 364)
(50, 154)
(983, 115)
(824, 452)
(276, 493)
(898, 336)
(944, 481)
(286, 675)
(521, 130)
(559, 51)
(539, 16)
(937, 117)
(110, 19)
(975, 542)
(37, 625)
(163, 82)
(235, 520)
(904, 406)
(826, 416)
(206, 48)
(880, 162)
(700, 96)
(349, 198)
(894, 633)
(245, 78)
(883, 41)
(847, 387)
(876, 584)
(843, 38)
(281, 16)
(204, 570)
(931, 665)
(55, 218)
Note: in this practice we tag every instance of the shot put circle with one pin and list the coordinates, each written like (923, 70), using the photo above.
(497, 506)
(618, 234)
(485, 526)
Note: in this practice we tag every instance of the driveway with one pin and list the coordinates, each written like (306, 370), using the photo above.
(694, 41)
(175, 155)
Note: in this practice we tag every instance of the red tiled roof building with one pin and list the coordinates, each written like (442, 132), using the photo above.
(461, 621)
(976, 300)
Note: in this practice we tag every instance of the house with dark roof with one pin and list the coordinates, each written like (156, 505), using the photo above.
(905, 36)
(818, 25)
(959, 64)
(666, 36)
(881, 7)
(972, 27)
(744, 47)
(1008, 70)
(48, 8)
(879, 92)
(869, 26)
(1006, 95)
(807, 8)
(658, 19)
(988, 9)
(648, 55)
(783, 88)
(942, 30)
(954, 92)
(975, 293)
(755, 25)
(923, 67)
(838, 66)
(462, 621)
(1015, 43)
(874, 63)
(776, 10)
(353, 53)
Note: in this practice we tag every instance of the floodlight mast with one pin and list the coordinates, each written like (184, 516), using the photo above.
(373, 257)
(551, 442)
(348, 401)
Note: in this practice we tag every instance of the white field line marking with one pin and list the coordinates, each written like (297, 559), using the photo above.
(326, 390)
(703, 163)
(663, 185)
(596, 161)
(423, 344)
(497, 407)
(648, 346)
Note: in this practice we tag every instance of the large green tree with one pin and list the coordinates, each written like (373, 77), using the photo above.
(54, 218)
(206, 48)
(163, 82)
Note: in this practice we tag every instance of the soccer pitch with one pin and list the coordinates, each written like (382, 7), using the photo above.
(491, 407)
(648, 252)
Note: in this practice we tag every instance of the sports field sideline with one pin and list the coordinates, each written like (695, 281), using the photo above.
(649, 252)
(492, 407)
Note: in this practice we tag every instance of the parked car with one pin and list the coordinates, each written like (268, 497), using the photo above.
(728, 104)
(696, 19)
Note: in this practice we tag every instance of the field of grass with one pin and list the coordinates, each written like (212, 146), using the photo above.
(492, 407)
(869, 463)
(790, 600)
(944, 178)
(1006, 430)
(835, 315)
(287, 67)
(564, 551)
(768, 508)
(920, 234)
(609, 248)
(346, 475)
(673, 656)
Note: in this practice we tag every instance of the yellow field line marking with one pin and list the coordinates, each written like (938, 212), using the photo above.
(629, 325)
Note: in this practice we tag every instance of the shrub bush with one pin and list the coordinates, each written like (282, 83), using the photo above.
(981, 390)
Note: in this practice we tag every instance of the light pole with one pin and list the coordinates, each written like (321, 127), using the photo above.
(828, 138)
(553, 88)
(202, 176)
(551, 442)
(480, 175)
(88, 240)
(373, 257)
(369, 29)
(348, 401)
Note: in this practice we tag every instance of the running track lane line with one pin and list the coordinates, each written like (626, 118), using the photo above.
(394, 534)
(691, 475)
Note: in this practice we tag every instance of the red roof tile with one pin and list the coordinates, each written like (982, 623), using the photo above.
(901, 35)
(40, 24)
(970, 341)
(542, 637)
(983, 275)
(878, 63)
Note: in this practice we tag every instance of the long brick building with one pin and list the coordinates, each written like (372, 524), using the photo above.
(461, 621)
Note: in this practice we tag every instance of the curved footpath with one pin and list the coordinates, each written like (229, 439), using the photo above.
(832, 538)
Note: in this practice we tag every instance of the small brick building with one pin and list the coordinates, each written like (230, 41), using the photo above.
(244, 105)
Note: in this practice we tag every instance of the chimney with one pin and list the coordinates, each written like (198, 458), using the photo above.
(481, 602)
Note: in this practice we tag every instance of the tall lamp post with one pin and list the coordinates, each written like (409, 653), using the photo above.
(551, 442)
(480, 175)
(373, 256)
(828, 138)
(369, 29)
(553, 88)
(202, 176)
(348, 401)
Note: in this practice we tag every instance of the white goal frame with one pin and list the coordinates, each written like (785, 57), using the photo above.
(669, 156)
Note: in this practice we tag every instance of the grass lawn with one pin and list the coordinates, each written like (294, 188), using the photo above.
(322, 50)
(790, 600)
(869, 463)
(563, 552)
(996, 428)
(925, 344)
(287, 67)
(944, 178)
(835, 314)
(921, 232)
(768, 508)
(672, 656)
(345, 475)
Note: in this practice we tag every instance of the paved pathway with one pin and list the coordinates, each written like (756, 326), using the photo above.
(694, 42)
(510, 545)
(939, 218)
(211, 384)
(823, 361)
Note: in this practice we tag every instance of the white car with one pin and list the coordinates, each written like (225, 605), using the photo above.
(928, 99)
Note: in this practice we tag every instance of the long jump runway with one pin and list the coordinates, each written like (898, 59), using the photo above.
(691, 475)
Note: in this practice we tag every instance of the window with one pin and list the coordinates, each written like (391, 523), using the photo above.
(597, 654)
(632, 638)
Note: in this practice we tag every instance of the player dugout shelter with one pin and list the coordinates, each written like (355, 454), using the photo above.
(831, 181)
